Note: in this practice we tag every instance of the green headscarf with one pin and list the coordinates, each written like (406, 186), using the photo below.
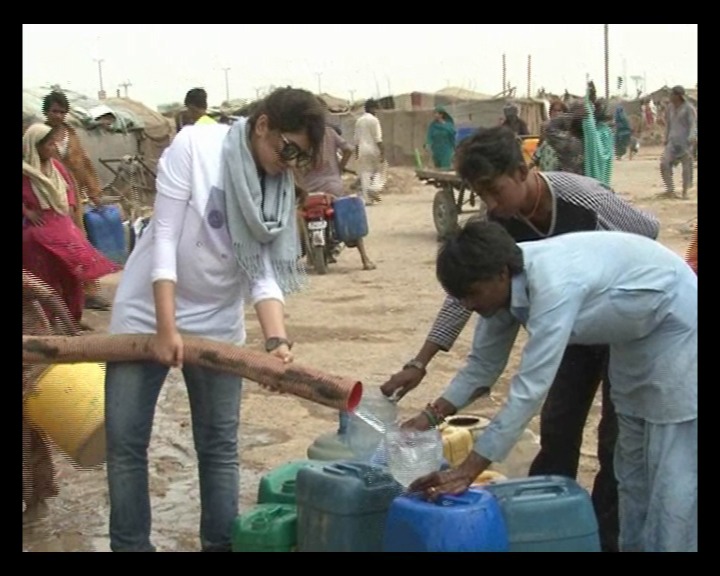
(441, 140)
(442, 110)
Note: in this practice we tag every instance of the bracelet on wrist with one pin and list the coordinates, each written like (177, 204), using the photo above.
(431, 418)
(438, 416)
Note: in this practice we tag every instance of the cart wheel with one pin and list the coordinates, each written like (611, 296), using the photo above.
(445, 213)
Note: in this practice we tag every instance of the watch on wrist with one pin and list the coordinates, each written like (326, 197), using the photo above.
(415, 363)
(274, 343)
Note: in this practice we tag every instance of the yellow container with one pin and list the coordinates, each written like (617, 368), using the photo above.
(457, 444)
(68, 404)
(529, 145)
(488, 477)
(473, 423)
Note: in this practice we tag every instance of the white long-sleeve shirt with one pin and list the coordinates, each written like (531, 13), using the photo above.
(188, 243)
(612, 288)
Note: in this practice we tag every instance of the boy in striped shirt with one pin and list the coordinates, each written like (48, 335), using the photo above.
(533, 205)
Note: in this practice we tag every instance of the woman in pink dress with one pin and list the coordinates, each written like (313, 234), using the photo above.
(54, 248)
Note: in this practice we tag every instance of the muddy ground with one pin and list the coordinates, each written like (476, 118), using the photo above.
(352, 322)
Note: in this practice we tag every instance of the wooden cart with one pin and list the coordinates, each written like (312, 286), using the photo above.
(453, 197)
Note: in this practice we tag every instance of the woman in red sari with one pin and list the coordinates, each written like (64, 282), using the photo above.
(54, 248)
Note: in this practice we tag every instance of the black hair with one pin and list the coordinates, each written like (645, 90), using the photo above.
(293, 110)
(196, 97)
(559, 104)
(371, 105)
(488, 153)
(600, 110)
(480, 250)
(55, 97)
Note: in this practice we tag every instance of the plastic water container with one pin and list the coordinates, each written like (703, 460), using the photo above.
(342, 507)
(266, 528)
(463, 132)
(106, 232)
(68, 404)
(380, 458)
(362, 438)
(412, 454)
(350, 219)
(468, 522)
(329, 447)
(529, 146)
(457, 444)
(547, 514)
(278, 485)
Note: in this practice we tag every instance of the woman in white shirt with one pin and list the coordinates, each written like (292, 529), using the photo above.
(223, 230)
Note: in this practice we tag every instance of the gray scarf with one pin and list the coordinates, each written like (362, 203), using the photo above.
(255, 218)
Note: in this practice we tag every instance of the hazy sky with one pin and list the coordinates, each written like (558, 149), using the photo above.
(163, 61)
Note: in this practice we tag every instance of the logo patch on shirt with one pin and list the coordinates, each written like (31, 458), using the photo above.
(215, 218)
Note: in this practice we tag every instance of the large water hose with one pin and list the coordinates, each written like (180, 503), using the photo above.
(332, 391)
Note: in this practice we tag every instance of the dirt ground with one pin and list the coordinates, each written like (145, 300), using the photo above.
(363, 324)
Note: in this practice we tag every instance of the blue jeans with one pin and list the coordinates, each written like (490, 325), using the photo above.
(131, 393)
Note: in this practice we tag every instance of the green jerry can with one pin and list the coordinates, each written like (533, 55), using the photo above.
(266, 528)
(278, 485)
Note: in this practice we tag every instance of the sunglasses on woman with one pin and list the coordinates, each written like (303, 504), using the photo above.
(291, 151)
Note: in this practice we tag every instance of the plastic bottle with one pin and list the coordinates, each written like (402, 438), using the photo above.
(362, 438)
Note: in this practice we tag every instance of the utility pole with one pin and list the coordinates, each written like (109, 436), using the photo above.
(352, 97)
(504, 73)
(529, 76)
(126, 85)
(227, 85)
(101, 93)
(637, 80)
(319, 77)
(625, 92)
(607, 62)
(257, 93)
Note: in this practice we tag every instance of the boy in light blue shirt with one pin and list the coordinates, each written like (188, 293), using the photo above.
(612, 288)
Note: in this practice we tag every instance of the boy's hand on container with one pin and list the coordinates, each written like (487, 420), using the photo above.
(420, 422)
(435, 484)
(403, 381)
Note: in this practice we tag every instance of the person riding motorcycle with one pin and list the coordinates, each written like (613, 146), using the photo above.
(325, 176)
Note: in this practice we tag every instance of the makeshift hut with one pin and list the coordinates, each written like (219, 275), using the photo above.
(138, 133)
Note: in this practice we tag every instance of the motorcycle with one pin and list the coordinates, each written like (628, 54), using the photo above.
(318, 238)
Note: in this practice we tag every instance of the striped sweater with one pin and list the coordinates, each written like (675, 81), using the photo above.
(579, 204)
